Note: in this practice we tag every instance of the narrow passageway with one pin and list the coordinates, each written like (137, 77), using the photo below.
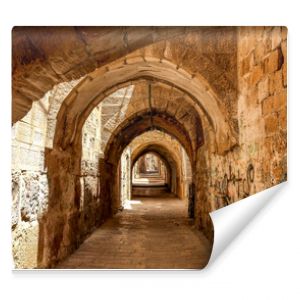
(189, 111)
(148, 233)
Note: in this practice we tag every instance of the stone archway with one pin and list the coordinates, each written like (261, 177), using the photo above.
(45, 56)
(125, 133)
(95, 87)
(63, 161)
(151, 174)
(171, 161)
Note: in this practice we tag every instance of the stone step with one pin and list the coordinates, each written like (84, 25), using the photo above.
(150, 190)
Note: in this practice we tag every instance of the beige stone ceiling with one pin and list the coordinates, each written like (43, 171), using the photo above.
(162, 140)
(135, 99)
(43, 57)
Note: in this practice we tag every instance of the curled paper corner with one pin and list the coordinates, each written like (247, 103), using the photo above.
(229, 221)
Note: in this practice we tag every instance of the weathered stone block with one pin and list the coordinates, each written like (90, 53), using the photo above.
(25, 245)
(15, 198)
(256, 75)
(33, 196)
(284, 74)
(277, 172)
(244, 44)
(269, 145)
(284, 33)
(267, 105)
(276, 37)
(247, 64)
(272, 62)
(284, 69)
(276, 82)
(271, 124)
(282, 117)
(259, 53)
(263, 89)
(267, 40)
(279, 100)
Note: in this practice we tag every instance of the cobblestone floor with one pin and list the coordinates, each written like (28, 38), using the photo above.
(150, 233)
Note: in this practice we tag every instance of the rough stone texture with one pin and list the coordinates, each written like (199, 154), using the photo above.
(56, 96)
(31, 136)
(125, 177)
(45, 56)
(217, 97)
(29, 183)
(91, 143)
(259, 161)
(25, 245)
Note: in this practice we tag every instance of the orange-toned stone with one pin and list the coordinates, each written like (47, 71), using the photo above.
(269, 142)
(263, 88)
(259, 52)
(276, 37)
(284, 32)
(277, 172)
(282, 116)
(256, 75)
(247, 64)
(271, 124)
(276, 82)
(271, 62)
(284, 74)
(279, 100)
(284, 69)
(267, 105)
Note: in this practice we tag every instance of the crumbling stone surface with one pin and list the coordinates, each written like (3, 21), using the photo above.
(33, 198)
(30, 203)
(125, 181)
(25, 238)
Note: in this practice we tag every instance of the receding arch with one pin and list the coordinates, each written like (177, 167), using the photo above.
(142, 122)
(165, 155)
(102, 82)
(165, 176)
(124, 134)
(64, 170)
(64, 160)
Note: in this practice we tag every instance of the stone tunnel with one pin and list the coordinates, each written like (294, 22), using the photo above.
(124, 139)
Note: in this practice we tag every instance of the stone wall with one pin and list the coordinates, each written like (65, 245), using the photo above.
(260, 159)
(91, 152)
(29, 183)
(125, 162)
(31, 137)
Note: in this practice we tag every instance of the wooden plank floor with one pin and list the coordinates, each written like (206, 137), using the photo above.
(150, 233)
